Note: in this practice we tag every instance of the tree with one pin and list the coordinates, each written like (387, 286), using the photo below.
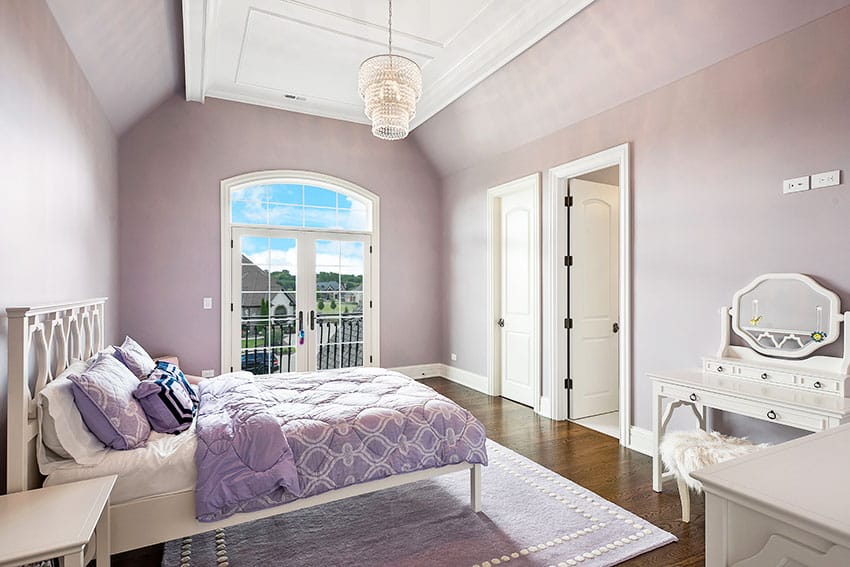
(321, 304)
(333, 304)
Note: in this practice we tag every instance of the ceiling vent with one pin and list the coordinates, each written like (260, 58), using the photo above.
(295, 97)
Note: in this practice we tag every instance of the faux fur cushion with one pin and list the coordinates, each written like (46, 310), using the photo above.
(686, 451)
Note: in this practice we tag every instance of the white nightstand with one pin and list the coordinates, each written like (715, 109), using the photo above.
(57, 521)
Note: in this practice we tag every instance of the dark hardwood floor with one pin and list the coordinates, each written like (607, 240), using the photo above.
(586, 457)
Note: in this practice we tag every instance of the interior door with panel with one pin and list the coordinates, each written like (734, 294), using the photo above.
(518, 245)
(593, 298)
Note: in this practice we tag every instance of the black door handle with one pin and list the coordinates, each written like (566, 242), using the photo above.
(312, 320)
(615, 327)
(500, 322)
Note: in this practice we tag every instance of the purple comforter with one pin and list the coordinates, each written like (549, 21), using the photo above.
(268, 440)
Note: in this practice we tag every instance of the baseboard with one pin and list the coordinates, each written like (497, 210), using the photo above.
(463, 377)
(640, 440)
(466, 378)
(418, 371)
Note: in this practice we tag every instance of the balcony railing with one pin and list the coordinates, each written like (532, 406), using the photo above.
(270, 346)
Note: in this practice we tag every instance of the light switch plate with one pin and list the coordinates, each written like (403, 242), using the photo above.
(795, 185)
(826, 179)
(208, 303)
(454, 356)
(207, 373)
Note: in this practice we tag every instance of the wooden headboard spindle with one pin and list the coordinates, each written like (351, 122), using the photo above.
(56, 335)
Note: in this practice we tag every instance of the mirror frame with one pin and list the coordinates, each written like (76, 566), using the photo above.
(834, 314)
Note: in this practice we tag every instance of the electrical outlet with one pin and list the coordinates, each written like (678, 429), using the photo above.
(795, 185)
(454, 356)
(826, 179)
(208, 303)
(207, 373)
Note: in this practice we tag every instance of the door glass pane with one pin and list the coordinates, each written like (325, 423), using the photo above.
(339, 303)
(267, 320)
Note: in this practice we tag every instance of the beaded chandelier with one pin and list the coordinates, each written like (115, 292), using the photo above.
(390, 85)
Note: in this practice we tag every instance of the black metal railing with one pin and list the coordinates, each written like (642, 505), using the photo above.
(270, 346)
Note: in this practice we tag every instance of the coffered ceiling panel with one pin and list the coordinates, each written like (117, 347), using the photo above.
(303, 55)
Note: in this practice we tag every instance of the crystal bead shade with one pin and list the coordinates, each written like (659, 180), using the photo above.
(390, 85)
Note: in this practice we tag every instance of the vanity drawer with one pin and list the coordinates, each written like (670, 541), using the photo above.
(759, 410)
(767, 376)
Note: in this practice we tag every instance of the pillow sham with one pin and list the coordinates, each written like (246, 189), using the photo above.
(135, 358)
(168, 399)
(104, 396)
(62, 432)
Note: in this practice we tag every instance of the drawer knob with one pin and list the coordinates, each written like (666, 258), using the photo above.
(818, 385)
(771, 414)
(720, 369)
(693, 397)
(764, 376)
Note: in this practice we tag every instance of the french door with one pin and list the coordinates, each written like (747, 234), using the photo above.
(300, 300)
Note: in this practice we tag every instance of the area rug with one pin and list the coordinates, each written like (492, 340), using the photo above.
(530, 516)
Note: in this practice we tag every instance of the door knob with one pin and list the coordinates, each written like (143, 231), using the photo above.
(615, 327)
(500, 322)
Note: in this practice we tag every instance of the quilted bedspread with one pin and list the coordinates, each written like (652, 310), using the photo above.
(267, 440)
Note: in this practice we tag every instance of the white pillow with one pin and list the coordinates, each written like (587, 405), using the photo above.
(62, 434)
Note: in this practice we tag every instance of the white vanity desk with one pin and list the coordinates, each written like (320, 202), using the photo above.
(810, 411)
(789, 504)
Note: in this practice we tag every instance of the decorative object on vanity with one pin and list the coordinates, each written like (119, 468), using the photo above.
(784, 318)
(785, 505)
(533, 515)
(390, 85)
(685, 452)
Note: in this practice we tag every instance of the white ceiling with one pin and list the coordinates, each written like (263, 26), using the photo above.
(129, 50)
(303, 55)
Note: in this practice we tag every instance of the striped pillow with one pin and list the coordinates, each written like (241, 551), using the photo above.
(167, 398)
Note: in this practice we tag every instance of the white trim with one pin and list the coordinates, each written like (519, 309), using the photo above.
(494, 386)
(640, 440)
(419, 371)
(373, 294)
(466, 378)
(554, 283)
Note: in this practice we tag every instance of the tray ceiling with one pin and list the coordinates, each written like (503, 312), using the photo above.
(303, 55)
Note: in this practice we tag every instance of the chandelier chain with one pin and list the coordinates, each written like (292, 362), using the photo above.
(390, 29)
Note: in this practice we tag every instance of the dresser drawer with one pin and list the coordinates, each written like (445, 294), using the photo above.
(760, 410)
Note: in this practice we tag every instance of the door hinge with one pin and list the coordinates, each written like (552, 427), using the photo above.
(568, 323)
(370, 360)
(568, 201)
(568, 261)
(568, 383)
(231, 308)
(231, 369)
(231, 243)
(370, 249)
(370, 305)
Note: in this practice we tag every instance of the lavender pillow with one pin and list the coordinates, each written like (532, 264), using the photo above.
(104, 396)
(167, 398)
(135, 358)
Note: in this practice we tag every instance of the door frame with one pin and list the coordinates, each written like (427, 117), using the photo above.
(306, 178)
(555, 290)
(494, 379)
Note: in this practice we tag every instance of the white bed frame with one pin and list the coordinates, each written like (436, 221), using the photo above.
(43, 341)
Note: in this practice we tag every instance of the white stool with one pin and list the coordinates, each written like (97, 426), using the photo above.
(684, 452)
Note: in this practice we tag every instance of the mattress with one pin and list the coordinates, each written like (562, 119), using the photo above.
(165, 465)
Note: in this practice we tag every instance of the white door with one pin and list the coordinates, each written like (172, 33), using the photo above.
(300, 300)
(593, 298)
(518, 281)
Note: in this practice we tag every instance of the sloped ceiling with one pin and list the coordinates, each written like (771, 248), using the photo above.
(131, 52)
(611, 52)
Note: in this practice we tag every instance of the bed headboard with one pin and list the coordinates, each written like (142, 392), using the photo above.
(43, 341)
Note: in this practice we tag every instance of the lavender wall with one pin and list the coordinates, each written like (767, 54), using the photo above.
(709, 155)
(58, 213)
(171, 165)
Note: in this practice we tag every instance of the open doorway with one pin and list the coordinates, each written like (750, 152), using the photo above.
(587, 359)
(593, 300)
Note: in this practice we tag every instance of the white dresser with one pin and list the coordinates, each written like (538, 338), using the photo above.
(788, 505)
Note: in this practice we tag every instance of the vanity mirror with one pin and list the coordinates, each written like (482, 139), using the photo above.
(786, 315)
(784, 319)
